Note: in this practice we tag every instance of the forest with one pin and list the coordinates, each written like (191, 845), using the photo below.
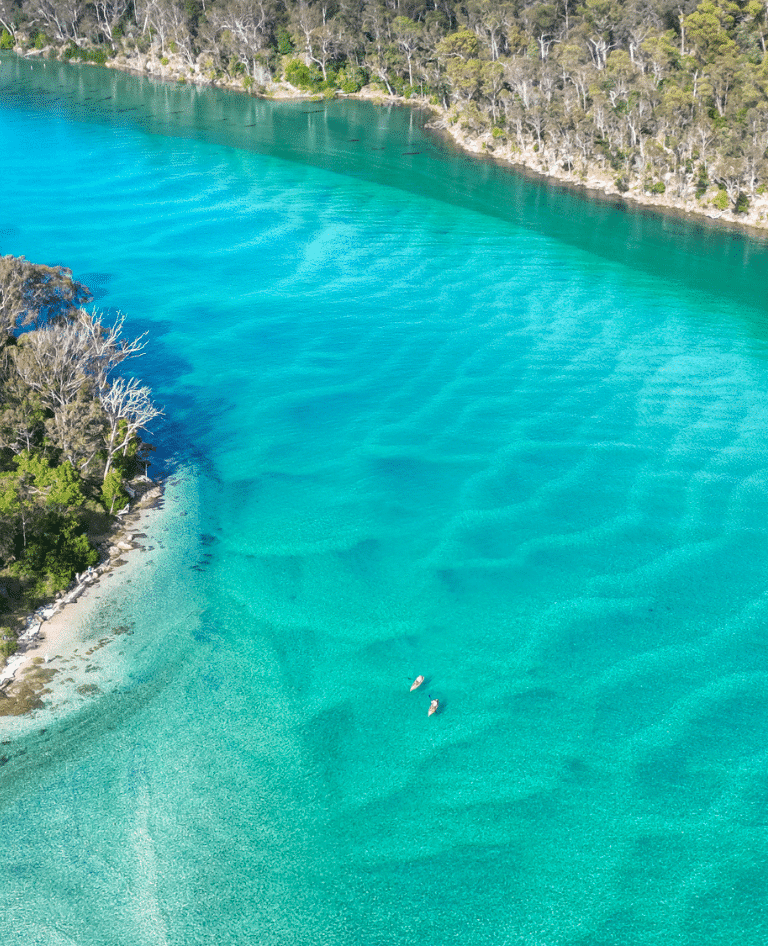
(664, 96)
(69, 430)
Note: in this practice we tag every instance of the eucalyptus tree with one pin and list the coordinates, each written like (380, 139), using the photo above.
(67, 364)
(380, 53)
(244, 28)
(128, 407)
(31, 293)
(599, 20)
(544, 24)
(409, 37)
(22, 416)
(165, 20)
(492, 85)
(109, 13)
(494, 23)
(10, 14)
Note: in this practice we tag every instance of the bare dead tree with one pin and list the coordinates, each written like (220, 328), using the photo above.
(9, 10)
(128, 408)
(66, 363)
(108, 15)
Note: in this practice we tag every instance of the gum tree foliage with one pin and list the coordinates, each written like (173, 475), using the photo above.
(652, 91)
(128, 408)
(68, 364)
(656, 91)
(65, 415)
(31, 293)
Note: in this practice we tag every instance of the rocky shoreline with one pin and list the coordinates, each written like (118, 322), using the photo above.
(600, 184)
(545, 166)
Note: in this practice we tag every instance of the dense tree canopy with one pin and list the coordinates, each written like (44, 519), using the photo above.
(68, 425)
(664, 94)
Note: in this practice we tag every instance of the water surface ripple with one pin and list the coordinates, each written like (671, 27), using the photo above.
(425, 417)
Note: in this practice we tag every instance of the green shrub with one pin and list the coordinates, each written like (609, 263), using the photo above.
(702, 182)
(284, 42)
(621, 185)
(742, 203)
(497, 132)
(721, 201)
(328, 84)
(8, 643)
(41, 40)
(99, 55)
(113, 495)
(6, 40)
(658, 188)
(55, 556)
(299, 74)
(164, 60)
(351, 79)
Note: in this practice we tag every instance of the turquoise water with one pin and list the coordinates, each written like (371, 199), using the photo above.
(423, 417)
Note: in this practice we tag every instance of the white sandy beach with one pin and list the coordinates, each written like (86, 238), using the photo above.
(62, 641)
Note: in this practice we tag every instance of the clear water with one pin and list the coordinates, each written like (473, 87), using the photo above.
(425, 417)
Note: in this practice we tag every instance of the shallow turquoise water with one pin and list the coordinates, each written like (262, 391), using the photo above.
(424, 417)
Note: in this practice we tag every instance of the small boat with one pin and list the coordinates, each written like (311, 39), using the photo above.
(433, 707)
(417, 683)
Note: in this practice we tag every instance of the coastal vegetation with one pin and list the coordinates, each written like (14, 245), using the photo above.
(660, 97)
(69, 431)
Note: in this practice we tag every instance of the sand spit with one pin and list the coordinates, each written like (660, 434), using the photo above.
(52, 636)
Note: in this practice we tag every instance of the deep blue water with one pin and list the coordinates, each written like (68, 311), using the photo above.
(423, 416)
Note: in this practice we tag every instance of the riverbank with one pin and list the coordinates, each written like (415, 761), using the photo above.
(596, 181)
(52, 639)
(600, 184)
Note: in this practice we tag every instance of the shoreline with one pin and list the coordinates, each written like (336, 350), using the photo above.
(52, 636)
(597, 186)
(594, 184)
